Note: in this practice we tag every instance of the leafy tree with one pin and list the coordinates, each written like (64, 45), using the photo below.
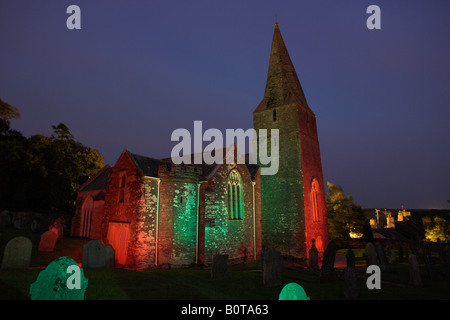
(43, 173)
(438, 229)
(7, 111)
(344, 216)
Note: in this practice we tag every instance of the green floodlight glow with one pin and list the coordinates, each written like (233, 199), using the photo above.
(61, 280)
(293, 291)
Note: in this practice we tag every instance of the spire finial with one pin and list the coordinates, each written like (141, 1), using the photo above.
(276, 20)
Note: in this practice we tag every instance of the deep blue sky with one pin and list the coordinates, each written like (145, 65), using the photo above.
(137, 70)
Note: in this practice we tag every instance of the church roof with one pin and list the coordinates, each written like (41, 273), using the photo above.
(282, 85)
(98, 181)
(148, 166)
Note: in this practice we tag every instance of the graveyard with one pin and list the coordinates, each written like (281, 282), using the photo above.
(343, 278)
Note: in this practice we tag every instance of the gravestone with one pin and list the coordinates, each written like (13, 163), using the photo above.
(110, 256)
(401, 258)
(58, 228)
(17, 253)
(327, 270)
(350, 256)
(53, 282)
(272, 266)
(96, 255)
(350, 283)
(293, 291)
(390, 254)
(381, 256)
(35, 225)
(48, 241)
(219, 266)
(313, 256)
(429, 266)
(447, 257)
(414, 273)
(441, 254)
(371, 255)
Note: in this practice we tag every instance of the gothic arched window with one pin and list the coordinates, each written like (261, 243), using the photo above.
(234, 188)
(314, 197)
(86, 217)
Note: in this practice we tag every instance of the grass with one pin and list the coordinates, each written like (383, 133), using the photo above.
(243, 282)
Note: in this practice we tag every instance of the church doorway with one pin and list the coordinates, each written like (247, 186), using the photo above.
(118, 233)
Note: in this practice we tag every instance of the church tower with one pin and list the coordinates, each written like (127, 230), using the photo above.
(293, 209)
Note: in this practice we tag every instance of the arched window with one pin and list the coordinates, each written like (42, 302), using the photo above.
(314, 197)
(86, 217)
(234, 188)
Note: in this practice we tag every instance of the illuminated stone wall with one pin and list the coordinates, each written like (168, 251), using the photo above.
(223, 235)
(178, 214)
(282, 208)
(125, 210)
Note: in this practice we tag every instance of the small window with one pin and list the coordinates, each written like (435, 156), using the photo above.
(314, 196)
(274, 115)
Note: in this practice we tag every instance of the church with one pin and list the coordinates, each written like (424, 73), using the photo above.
(154, 212)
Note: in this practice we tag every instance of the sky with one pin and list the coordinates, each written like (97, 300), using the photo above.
(138, 70)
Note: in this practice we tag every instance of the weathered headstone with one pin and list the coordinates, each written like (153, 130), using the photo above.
(350, 283)
(313, 254)
(17, 253)
(293, 291)
(390, 254)
(429, 266)
(48, 241)
(414, 273)
(447, 257)
(401, 258)
(329, 256)
(371, 255)
(96, 255)
(442, 254)
(35, 225)
(110, 256)
(219, 265)
(61, 280)
(381, 256)
(350, 256)
(272, 266)
(58, 228)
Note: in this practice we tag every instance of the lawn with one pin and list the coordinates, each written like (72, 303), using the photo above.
(242, 282)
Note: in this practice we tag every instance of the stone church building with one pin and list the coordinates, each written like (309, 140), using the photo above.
(155, 212)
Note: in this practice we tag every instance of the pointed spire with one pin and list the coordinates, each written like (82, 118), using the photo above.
(282, 84)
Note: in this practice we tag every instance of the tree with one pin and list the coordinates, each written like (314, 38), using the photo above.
(344, 216)
(438, 229)
(7, 111)
(43, 173)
